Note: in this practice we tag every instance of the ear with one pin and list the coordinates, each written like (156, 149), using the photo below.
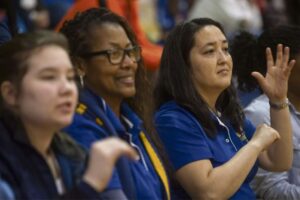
(80, 66)
(9, 93)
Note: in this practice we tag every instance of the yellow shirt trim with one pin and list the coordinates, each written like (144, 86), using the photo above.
(156, 163)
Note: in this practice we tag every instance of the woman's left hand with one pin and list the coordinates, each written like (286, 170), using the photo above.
(275, 83)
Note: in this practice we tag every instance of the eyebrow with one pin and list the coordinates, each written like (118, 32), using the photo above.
(54, 69)
(213, 43)
(119, 46)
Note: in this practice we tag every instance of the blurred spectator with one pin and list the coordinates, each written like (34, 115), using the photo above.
(149, 20)
(171, 13)
(33, 14)
(57, 9)
(234, 15)
(7, 20)
(274, 13)
(293, 7)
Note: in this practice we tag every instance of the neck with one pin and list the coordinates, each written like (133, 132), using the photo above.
(113, 102)
(40, 137)
(210, 98)
(114, 105)
(295, 100)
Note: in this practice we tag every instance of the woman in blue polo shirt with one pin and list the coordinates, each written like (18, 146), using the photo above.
(213, 148)
(114, 93)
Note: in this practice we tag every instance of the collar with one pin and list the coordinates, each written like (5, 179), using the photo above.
(96, 102)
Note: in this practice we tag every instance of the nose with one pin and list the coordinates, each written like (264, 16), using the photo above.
(127, 61)
(222, 57)
(67, 87)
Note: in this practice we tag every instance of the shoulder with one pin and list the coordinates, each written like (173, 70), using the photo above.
(173, 114)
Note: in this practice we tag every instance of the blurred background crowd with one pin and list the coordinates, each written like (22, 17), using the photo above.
(155, 17)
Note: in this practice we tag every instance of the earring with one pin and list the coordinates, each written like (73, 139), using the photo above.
(81, 81)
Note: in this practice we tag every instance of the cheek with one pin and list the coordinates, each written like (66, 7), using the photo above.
(97, 75)
(37, 98)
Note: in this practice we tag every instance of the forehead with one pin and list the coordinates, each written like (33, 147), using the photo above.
(209, 34)
(107, 35)
(50, 56)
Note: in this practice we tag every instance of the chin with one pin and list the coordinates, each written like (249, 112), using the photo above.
(128, 93)
(63, 122)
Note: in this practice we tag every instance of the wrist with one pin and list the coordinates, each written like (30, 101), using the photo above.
(256, 145)
(94, 182)
(279, 105)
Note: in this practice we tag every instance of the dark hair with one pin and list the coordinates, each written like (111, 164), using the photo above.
(14, 54)
(248, 52)
(174, 80)
(78, 32)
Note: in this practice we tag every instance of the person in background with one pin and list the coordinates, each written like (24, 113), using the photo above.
(234, 15)
(38, 98)
(214, 149)
(114, 95)
(248, 56)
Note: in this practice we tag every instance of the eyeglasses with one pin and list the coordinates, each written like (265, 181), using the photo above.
(117, 56)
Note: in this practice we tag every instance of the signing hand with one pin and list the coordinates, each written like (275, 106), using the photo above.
(103, 156)
(275, 83)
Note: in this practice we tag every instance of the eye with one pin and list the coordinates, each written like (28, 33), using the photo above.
(134, 52)
(115, 54)
(71, 77)
(48, 77)
(210, 51)
(226, 49)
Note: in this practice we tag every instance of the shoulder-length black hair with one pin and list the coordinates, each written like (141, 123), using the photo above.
(174, 81)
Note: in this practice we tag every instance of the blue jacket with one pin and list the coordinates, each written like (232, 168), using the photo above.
(95, 120)
(27, 174)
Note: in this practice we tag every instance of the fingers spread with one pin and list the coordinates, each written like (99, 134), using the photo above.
(279, 55)
(270, 60)
(259, 77)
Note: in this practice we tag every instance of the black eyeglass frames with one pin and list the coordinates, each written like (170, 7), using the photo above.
(116, 56)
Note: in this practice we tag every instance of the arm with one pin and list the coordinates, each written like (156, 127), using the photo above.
(278, 157)
(189, 152)
(202, 181)
(198, 183)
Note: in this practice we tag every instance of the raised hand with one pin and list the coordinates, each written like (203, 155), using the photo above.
(275, 83)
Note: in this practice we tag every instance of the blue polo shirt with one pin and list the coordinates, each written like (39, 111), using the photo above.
(185, 141)
(88, 127)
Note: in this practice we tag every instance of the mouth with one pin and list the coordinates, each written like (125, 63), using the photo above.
(66, 107)
(223, 71)
(127, 80)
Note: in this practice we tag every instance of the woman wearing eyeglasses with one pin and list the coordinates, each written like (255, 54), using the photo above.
(114, 97)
